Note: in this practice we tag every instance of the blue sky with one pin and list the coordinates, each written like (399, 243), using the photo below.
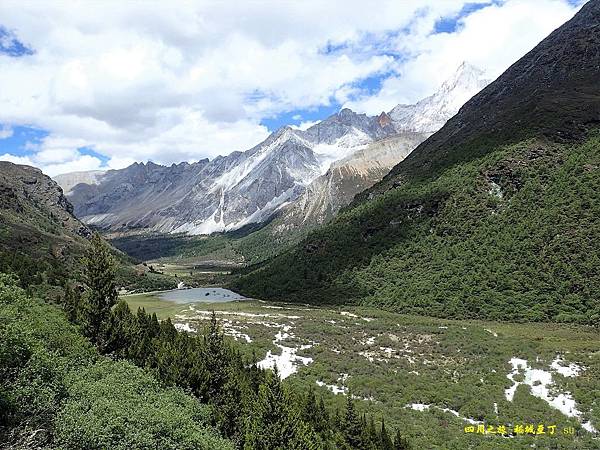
(93, 87)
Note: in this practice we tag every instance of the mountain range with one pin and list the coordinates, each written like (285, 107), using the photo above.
(495, 216)
(302, 176)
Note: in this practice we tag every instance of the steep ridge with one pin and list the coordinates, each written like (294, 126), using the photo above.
(37, 226)
(242, 188)
(551, 92)
(345, 178)
(495, 216)
(43, 243)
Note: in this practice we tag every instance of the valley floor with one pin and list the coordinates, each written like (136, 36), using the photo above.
(441, 382)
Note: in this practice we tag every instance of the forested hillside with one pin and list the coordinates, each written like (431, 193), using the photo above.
(76, 385)
(495, 216)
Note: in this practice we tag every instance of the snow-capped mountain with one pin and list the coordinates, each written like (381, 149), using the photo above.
(345, 178)
(227, 192)
(315, 167)
(431, 113)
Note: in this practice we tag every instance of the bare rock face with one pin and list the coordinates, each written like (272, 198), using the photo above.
(345, 178)
(34, 198)
(310, 168)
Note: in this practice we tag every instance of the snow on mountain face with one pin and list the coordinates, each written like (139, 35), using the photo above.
(345, 178)
(248, 187)
(431, 113)
(227, 192)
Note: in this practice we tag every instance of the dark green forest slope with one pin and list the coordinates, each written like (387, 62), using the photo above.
(496, 216)
(57, 392)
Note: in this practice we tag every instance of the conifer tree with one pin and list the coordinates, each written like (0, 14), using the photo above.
(72, 303)
(101, 292)
(274, 424)
(385, 440)
(400, 443)
(214, 360)
(370, 436)
(118, 337)
(351, 425)
(324, 422)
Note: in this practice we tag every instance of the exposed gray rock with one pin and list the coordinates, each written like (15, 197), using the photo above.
(320, 168)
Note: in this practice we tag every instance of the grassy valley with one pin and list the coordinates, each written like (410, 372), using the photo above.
(428, 377)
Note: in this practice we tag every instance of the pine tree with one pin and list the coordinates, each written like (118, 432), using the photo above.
(72, 303)
(275, 423)
(400, 443)
(215, 360)
(385, 440)
(324, 421)
(351, 425)
(308, 409)
(370, 436)
(120, 333)
(101, 292)
(231, 409)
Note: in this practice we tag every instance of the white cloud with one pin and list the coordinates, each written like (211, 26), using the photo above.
(491, 38)
(5, 132)
(305, 125)
(173, 81)
(17, 159)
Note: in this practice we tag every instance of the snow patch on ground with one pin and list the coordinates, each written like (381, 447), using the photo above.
(184, 327)
(425, 407)
(540, 382)
(368, 341)
(572, 370)
(288, 361)
(343, 390)
(495, 190)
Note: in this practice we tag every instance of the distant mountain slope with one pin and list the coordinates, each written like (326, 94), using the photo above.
(345, 178)
(43, 242)
(495, 216)
(431, 113)
(227, 192)
(242, 188)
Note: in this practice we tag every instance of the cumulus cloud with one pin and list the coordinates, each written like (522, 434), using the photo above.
(491, 38)
(174, 81)
(305, 125)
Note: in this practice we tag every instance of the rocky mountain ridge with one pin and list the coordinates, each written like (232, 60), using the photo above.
(230, 192)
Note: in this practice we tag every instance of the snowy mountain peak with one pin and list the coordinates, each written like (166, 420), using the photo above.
(466, 76)
(431, 113)
(231, 191)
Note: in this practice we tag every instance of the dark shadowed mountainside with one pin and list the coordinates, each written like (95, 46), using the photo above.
(495, 216)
